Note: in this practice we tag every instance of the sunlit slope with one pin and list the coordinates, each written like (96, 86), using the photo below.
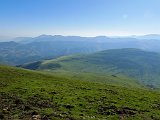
(25, 93)
(110, 79)
(141, 65)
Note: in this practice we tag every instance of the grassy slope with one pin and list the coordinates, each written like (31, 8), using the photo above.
(24, 93)
(109, 79)
(138, 64)
(73, 70)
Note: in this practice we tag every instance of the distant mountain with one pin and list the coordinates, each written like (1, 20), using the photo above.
(50, 38)
(138, 64)
(22, 39)
(5, 38)
(149, 36)
(14, 53)
(26, 49)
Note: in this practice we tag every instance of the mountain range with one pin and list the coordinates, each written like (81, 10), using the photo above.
(26, 49)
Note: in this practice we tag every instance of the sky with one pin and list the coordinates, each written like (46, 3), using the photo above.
(79, 17)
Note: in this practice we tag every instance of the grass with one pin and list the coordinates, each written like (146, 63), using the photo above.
(109, 79)
(137, 64)
(24, 93)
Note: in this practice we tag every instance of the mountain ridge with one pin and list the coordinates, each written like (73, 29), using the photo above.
(47, 47)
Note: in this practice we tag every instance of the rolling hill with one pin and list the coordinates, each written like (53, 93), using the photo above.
(28, 49)
(134, 63)
(26, 94)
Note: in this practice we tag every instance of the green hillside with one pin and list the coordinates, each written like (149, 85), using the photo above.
(109, 79)
(137, 64)
(25, 94)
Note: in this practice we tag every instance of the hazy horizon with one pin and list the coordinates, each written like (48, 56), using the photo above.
(116, 36)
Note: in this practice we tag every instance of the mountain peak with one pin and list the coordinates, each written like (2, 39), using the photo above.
(44, 36)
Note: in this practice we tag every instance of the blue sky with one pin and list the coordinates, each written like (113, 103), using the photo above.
(79, 17)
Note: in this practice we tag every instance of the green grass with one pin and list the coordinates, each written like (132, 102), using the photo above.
(109, 79)
(24, 93)
(137, 64)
